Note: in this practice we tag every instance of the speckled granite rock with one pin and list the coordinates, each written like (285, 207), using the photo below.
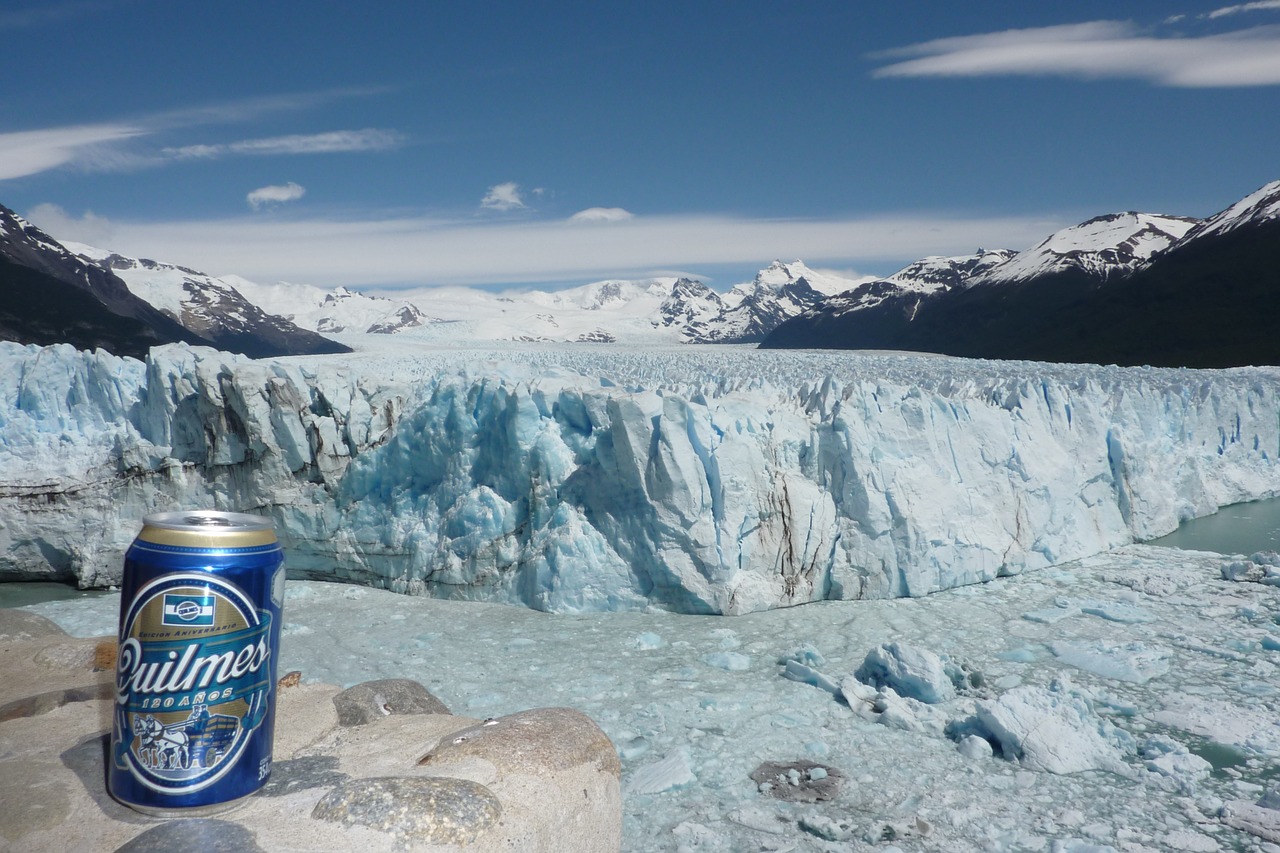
(544, 779)
(441, 810)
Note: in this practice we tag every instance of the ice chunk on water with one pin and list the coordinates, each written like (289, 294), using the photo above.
(648, 641)
(912, 672)
(664, 775)
(728, 661)
(1177, 768)
(1055, 730)
(1134, 662)
(796, 671)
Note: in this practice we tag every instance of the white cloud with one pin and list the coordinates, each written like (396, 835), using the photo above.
(1099, 49)
(503, 197)
(106, 148)
(369, 139)
(392, 252)
(30, 152)
(602, 214)
(1259, 6)
(275, 194)
(92, 229)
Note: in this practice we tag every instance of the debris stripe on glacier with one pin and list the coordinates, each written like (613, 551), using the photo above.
(704, 480)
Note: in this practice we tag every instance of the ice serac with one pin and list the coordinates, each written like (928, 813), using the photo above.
(568, 480)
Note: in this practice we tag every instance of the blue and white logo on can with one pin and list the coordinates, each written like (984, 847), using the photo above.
(188, 610)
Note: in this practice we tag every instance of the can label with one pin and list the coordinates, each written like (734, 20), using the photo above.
(193, 681)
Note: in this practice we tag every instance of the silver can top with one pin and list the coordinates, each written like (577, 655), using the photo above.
(207, 520)
(207, 527)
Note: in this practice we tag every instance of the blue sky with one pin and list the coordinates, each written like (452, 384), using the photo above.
(422, 143)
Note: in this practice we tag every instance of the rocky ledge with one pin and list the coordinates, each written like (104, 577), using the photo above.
(381, 766)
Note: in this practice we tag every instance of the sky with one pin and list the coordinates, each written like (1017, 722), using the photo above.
(512, 144)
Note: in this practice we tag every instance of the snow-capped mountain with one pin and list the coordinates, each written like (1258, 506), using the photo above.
(690, 304)
(778, 275)
(53, 296)
(1127, 288)
(335, 311)
(916, 281)
(663, 310)
(941, 273)
(1104, 247)
(211, 307)
(1257, 208)
(779, 292)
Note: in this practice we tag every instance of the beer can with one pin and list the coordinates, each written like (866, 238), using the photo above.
(200, 612)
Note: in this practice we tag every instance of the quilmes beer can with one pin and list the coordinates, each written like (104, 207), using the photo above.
(196, 674)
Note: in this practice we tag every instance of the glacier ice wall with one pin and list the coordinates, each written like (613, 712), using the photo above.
(716, 480)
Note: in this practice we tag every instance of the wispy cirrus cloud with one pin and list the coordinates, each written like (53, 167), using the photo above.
(1098, 50)
(130, 145)
(1258, 6)
(390, 252)
(29, 152)
(337, 141)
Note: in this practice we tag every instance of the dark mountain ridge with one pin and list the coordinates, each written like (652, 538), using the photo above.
(1210, 299)
(52, 295)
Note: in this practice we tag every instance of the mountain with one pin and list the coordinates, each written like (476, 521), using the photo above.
(749, 312)
(1128, 288)
(334, 311)
(906, 289)
(1103, 247)
(211, 307)
(70, 293)
(51, 295)
(690, 304)
(661, 311)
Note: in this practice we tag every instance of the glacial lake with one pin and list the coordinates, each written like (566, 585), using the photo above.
(22, 593)
(1237, 529)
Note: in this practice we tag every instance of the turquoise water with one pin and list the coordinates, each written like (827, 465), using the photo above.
(1237, 529)
(23, 593)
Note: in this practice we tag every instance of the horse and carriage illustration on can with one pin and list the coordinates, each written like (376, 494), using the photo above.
(201, 740)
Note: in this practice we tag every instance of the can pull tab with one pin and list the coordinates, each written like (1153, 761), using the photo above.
(208, 521)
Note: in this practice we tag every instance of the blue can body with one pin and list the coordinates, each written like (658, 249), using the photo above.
(200, 615)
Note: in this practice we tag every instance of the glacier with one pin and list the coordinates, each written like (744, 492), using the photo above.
(708, 480)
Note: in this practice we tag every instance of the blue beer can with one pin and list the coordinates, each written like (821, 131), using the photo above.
(200, 612)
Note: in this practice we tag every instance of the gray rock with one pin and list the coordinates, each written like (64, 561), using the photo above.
(207, 835)
(798, 781)
(438, 810)
(21, 626)
(300, 774)
(373, 700)
(32, 801)
(43, 703)
(554, 738)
